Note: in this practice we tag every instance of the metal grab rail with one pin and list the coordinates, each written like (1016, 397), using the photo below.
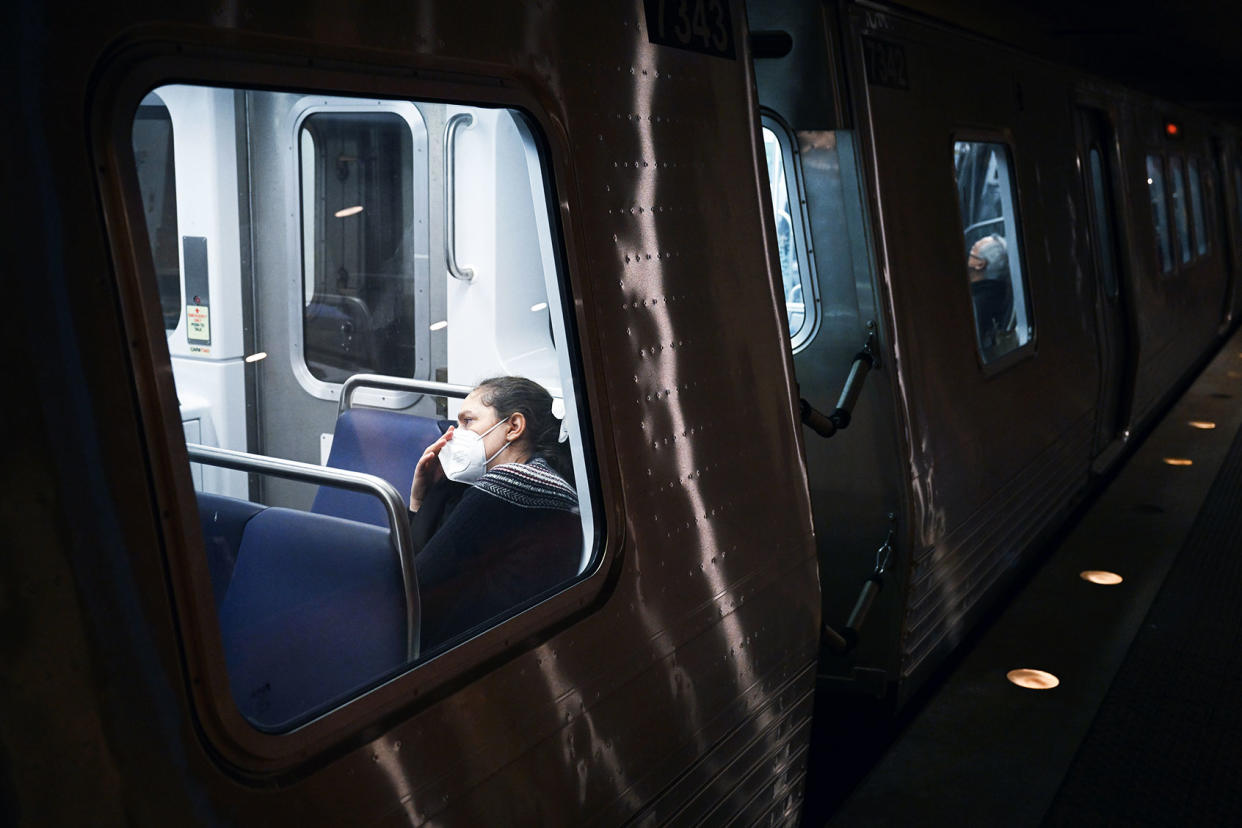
(826, 425)
(385, 383)
(845, 641)
(450, 204)
(398, 523)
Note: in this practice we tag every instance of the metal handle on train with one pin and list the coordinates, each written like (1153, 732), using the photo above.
(461, 119)
(378, 381)
(826, 425)
(845, 641)
(394, 506)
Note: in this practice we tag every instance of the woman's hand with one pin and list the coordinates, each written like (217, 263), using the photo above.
(428, 471)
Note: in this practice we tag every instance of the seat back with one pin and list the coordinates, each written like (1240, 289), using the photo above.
(384, 443)
(223, 520)
(315, 610)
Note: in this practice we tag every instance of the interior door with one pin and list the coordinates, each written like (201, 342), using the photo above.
(1099, 168)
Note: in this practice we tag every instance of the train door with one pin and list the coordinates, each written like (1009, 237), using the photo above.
(1229, 221)
(340, 233)
(827, 273)
(1099, 166)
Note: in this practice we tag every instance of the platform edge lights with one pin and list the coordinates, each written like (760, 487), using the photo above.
(1030, 679)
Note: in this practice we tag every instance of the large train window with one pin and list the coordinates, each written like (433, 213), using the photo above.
(154, 158)
(1181, 215)
(788, 206)
(378, 557)
(1197, 211)
(1159, 211)
(992, 247)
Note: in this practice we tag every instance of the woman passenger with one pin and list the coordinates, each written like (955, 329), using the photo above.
(493, 512)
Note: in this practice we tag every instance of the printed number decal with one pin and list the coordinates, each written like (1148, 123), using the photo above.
(720, 39)
(683, 30)
(697, 25)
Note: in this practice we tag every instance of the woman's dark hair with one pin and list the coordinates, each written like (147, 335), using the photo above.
(514, 395)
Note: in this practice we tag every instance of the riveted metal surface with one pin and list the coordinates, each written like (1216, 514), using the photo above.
(996, 455)
(694, 659)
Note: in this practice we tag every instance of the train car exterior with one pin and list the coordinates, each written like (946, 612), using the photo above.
(257, 228)
(671, 680)
(924, 150)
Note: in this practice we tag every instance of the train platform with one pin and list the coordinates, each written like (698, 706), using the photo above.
(1143, 726)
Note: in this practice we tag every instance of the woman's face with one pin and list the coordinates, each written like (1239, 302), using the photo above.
(475, 416)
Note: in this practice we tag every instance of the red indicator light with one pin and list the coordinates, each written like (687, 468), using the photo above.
(1172, 130)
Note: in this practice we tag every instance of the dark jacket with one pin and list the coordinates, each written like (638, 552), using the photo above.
(482, 551)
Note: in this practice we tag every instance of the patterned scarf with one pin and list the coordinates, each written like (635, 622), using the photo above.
(531, 485)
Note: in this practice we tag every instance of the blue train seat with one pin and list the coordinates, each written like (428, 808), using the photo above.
(315, 610)
(223, 520)
(379, 442)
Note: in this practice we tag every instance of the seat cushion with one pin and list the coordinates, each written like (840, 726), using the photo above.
(223, 520)
(384, 443)
(314, 612)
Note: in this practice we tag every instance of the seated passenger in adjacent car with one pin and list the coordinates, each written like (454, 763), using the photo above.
(992, 291)
(493, 511)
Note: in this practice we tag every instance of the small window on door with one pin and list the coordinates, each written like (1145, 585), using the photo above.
(797, 276)
(1159, 211)
(992, 244)
(359, 226)
(157, 178)
(1181, 212)
(1197, 211)
(1105, 243)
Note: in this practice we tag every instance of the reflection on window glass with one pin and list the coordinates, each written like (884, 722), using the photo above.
(311, 586)
(1181, 218)
(1103, 214)
(357, 196)
(795, 278)
(992, 247)
(1196, 208)
(1159, 212)
(153, 155)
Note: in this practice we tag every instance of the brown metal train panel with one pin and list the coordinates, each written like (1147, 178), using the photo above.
(689, 654)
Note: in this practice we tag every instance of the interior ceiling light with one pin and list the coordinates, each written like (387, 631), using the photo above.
(437, 326)
(256, 357)
(1178, 461)
(1033, 679)
(1100, 576)
(538, 307)
(348, 211)
(1205, 425)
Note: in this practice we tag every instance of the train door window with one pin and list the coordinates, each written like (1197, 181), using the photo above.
(1106, 245)
(788, 206)
(157, 179)
(1237, 195)
(992, 247)
(1181, 214)
(1159, 211)
(319, 604)
(364, 229)
(1197, 211)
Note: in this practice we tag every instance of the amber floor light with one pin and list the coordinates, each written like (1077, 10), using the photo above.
(1203, 425)
(1100, 576)
(1178, 461)
(1033, 679)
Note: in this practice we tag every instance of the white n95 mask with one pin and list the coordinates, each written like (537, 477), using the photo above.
(463, 458)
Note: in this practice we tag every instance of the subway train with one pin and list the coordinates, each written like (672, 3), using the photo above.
(823, 298)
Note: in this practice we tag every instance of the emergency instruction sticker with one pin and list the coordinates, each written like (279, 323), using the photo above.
(198, 323)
